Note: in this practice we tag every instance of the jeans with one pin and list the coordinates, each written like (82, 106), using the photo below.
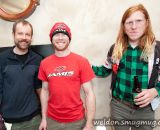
(131, 119)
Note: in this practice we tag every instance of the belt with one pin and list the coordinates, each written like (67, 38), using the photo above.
(130, 105)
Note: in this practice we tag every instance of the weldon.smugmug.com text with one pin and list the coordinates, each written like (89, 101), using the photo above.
(137, 123)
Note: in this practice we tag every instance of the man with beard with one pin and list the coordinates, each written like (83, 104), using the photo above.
(62, 75)
(19, 103)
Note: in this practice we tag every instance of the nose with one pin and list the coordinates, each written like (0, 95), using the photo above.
(134, 25)
(24, 36)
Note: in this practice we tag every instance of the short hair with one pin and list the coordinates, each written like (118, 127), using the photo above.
(24, 22)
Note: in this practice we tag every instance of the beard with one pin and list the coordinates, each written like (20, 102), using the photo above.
(61, 49)
(22, 44)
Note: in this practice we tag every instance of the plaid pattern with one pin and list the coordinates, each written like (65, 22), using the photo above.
(101, 71)
(129, 66)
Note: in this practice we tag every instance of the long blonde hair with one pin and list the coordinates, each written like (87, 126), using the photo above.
(146, 40)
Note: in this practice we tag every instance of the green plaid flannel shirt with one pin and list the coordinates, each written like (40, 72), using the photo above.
(129, 66)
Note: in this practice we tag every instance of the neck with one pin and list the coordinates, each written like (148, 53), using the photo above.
(18, 51)
(134, 43)
(62, 53)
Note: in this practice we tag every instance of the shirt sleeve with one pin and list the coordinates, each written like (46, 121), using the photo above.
(86, 73)
(41, 74)
(101, 71)
(106, 69)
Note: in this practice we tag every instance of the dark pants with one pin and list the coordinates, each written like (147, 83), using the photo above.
(131, 118)
(54, 125)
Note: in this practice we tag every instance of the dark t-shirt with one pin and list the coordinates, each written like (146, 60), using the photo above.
(22, 58)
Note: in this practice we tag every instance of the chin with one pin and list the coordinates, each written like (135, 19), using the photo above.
(23, 47)
(135, 38)
(60, 49)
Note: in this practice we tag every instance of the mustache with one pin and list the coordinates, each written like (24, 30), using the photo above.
(24, 40)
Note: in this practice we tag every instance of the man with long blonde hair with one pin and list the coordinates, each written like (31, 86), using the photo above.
(136, 53)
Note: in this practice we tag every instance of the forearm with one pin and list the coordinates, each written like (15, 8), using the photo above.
(101, 71)
(44, 101)
(90, 108)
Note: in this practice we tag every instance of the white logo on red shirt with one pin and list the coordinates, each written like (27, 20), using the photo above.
(60, 71)
(60, 68)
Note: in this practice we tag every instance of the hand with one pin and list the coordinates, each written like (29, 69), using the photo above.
(145, 97)
(88, 127)
(43, 125)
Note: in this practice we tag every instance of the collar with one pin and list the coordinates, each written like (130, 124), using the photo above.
(12, 55)
(132, 48)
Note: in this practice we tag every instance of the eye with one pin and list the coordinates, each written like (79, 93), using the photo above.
(129, 23)
(28, 34)
(139, 20)
(20, 33)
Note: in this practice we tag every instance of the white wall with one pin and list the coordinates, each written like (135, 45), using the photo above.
(94, 25)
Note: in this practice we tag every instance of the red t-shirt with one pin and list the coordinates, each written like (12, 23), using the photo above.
(65, 76)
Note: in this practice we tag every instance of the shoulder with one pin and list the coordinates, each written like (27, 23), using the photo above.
(78, 57)
(111, 49)
(81, 61)
(35, 55)
(48, 58)
(157, 49)
(5, 54)
(158, 44)
(112, 46)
